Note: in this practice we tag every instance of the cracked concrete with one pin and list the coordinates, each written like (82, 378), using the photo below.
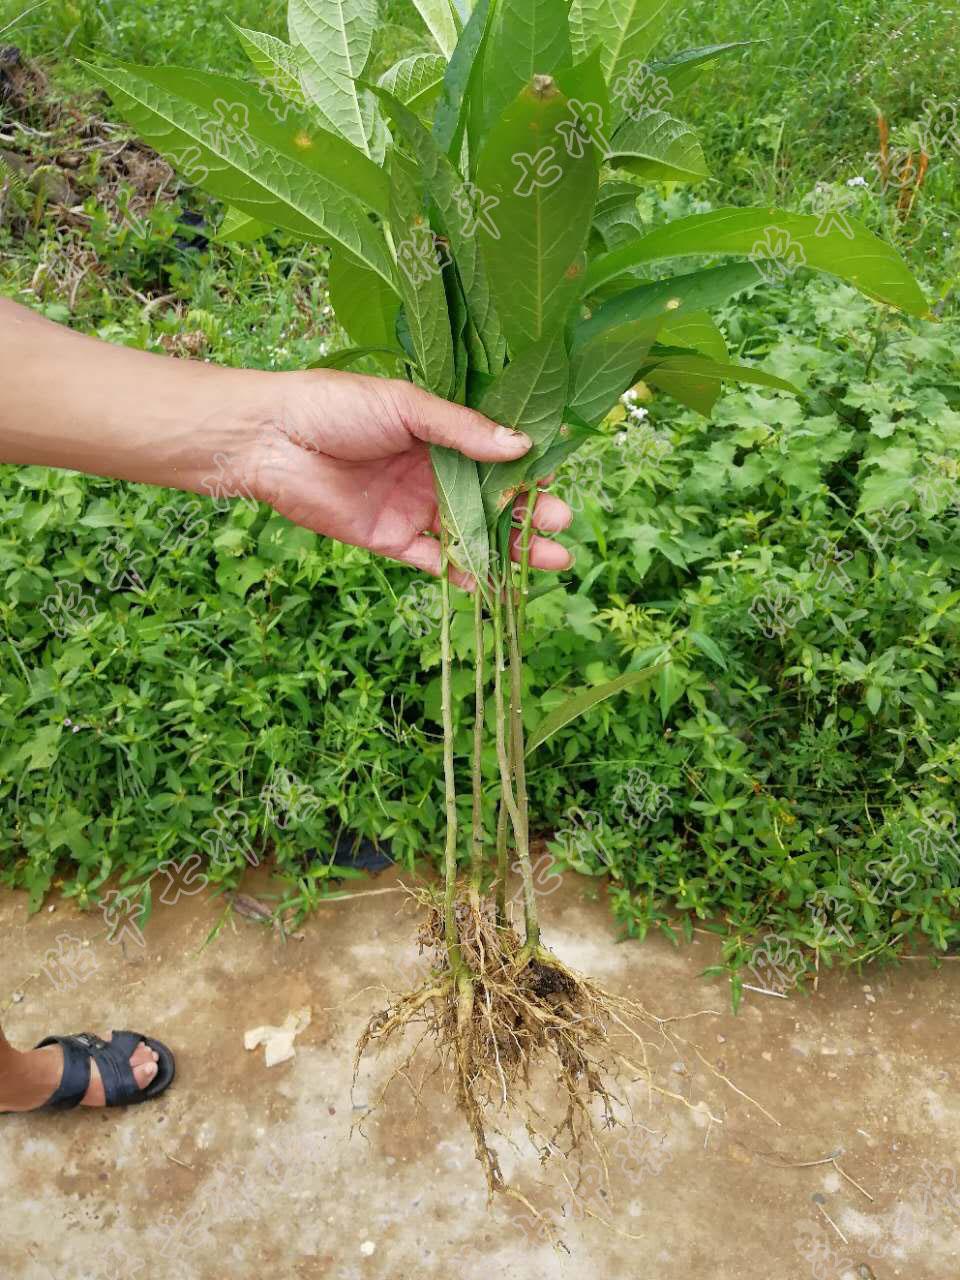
(242, 1171)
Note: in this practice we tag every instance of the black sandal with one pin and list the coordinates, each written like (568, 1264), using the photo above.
(120, 1088)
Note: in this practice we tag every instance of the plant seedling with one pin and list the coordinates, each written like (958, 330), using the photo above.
(480, 208)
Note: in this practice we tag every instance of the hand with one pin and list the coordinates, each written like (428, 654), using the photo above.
(341, 453)
(348, 456)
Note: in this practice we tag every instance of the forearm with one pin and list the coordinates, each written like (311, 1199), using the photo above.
(75, 402)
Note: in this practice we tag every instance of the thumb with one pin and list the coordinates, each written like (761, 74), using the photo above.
(437, 421)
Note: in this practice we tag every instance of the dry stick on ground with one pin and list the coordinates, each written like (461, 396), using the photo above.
(774, 1157)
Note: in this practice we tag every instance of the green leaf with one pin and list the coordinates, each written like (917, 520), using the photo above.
(240, 228)
(439, 21)
(459, 214)
(364, 304)
(280, 540)
(462, 513)
(461, 331)
(671, 299)
(709, 647)
(696, 330)
(670, 686)
(276, 62)
(681, 69)
(616, 219)
(606, 366)
(527, 38)
(352, 355)
(874, 267)
(624, 30)
(655, 145)
(584, 85)
(238, 574)
(461, 81)
(218, 132)
(416, 81)
(40, 751)
(736, 992)
(336, 37)
(544, 589)
(530, 396)
(584, 701)
(421, 279)
(882, 490)
(874, 698)
(696, 379)
(543, 194)
(570, 439)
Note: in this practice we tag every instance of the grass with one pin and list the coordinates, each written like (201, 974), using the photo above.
(824, 69)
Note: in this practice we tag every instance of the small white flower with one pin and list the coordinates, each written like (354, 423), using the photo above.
(858, 181)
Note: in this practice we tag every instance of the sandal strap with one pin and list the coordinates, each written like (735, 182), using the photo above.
(113, 1058)
(75, 1081)
(113, 1061)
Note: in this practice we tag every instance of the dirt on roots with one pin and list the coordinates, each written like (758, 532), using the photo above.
(509, 1012)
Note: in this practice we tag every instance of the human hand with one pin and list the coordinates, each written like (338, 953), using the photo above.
(347, 455)
(340, 453)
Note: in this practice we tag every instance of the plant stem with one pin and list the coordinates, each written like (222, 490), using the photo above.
(512, 771)
(476, 834)
(525, 533)
(502, 817)
(519, 745)
(521, 824)
(506, 776)
(449, 777)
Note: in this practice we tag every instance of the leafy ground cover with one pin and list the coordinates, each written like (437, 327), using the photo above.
(250, 689)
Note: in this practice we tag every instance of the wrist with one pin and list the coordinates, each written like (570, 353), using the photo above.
(204, 434)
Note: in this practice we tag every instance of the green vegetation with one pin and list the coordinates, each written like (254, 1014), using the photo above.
(791, 565)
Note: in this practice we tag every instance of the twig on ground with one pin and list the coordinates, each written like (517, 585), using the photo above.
(818, 1201)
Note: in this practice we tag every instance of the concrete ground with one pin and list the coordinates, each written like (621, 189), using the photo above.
(242, 1171)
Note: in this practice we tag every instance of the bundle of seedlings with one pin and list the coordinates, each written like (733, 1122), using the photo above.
(480, 207)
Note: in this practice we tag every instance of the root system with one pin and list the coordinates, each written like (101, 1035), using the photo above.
(514, 1018)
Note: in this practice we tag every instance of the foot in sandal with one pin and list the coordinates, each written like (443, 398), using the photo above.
(84, 1070)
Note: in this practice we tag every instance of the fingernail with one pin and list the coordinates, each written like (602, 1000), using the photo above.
(505, 435)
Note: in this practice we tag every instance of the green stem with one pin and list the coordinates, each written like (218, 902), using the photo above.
(525, 534)
(502, 818)
(449, 777)
(506, 777)
(476, 835)
(518, 745)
